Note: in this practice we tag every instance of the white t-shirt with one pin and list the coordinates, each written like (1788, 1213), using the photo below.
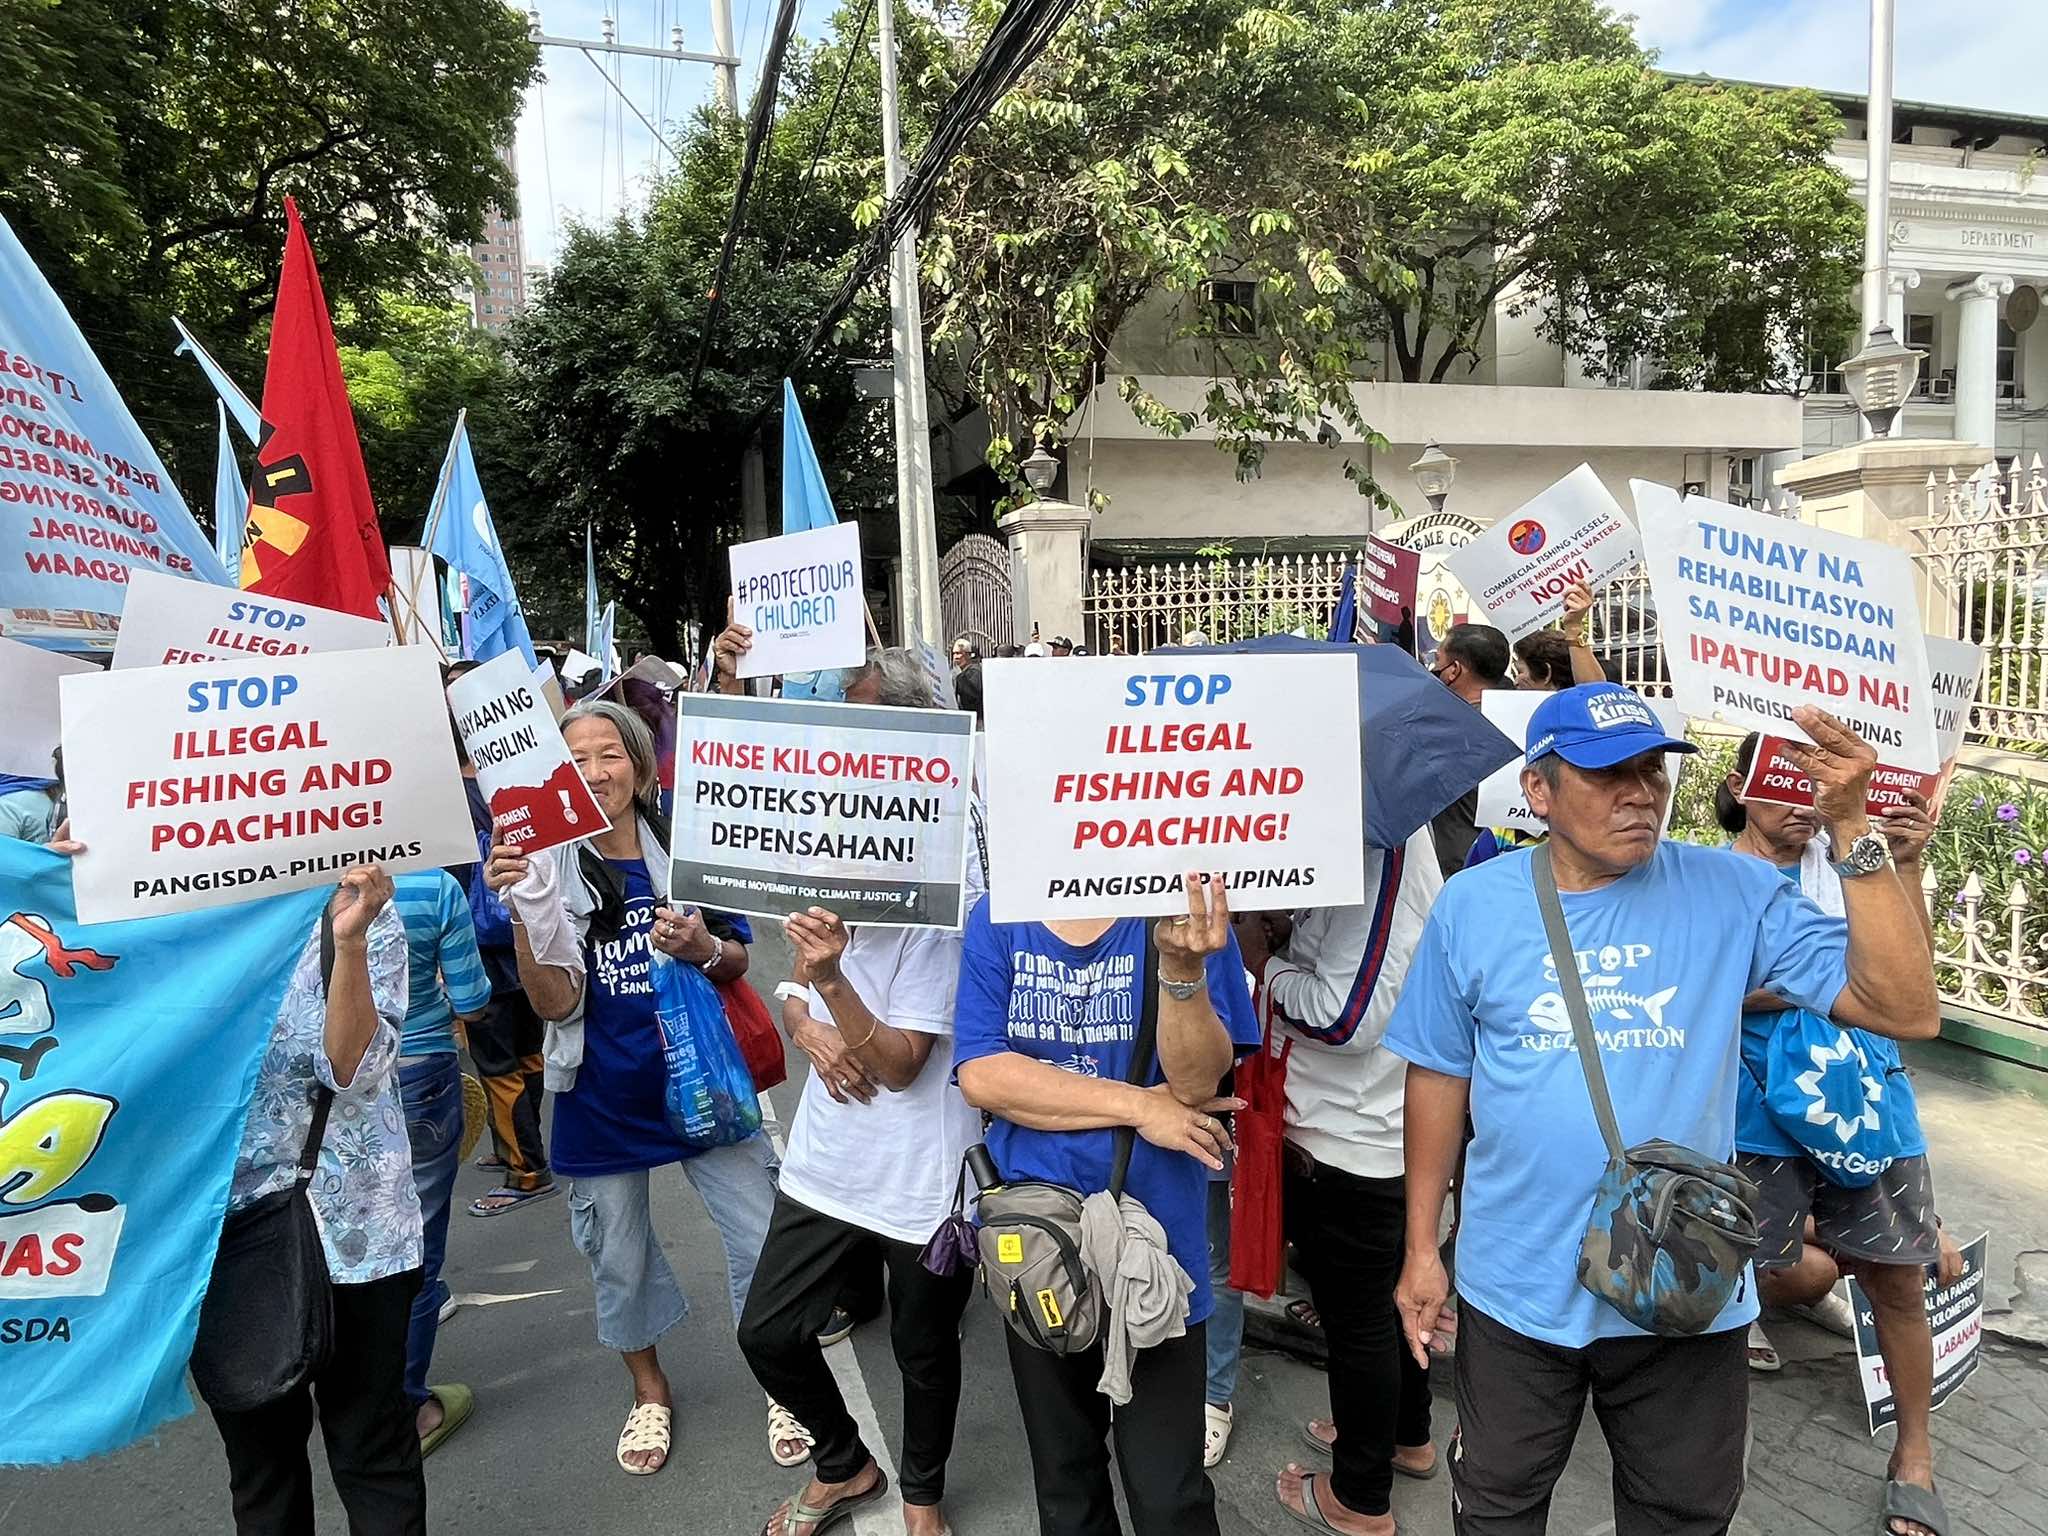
(889, 1166)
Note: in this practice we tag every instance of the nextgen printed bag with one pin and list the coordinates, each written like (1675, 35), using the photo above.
(1672, 1230)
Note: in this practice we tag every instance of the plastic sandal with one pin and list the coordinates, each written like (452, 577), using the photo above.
(801, 1519)
(1763, 1354)
(647, 1429)
(457, 1404)
(513, 1198)
(783, 1429)
(1909, 1501)
(1215, 1434)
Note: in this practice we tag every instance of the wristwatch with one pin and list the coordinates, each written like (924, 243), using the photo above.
(1866, 856)
(1181, 991)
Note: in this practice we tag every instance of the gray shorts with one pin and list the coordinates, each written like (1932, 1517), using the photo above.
(1888, 1221)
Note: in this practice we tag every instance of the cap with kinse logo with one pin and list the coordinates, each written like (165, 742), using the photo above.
(1597, 725)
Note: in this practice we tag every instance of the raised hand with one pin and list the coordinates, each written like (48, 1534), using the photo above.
(1186, 943)
(1839, 762)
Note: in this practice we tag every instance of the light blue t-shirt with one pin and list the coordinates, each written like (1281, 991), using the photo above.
(29, 814)
(1666, 955)
(447, 973)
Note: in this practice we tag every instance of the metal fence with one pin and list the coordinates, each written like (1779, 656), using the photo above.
(1220, 598)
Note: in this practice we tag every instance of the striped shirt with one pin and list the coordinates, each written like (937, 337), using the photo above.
(447, 973)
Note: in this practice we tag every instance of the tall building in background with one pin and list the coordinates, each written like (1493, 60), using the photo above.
(500, 289)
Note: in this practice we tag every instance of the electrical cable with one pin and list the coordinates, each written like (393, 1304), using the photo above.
(853, 51)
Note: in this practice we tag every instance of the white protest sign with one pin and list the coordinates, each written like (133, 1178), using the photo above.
(28, 703)
(1111, 777)
(205, 785)
(1955, 1315)
(1501, 802)
(168, 621)
(801, 596)
(784, 804)
(1572, 534)
(1955, 667)
(1761, 614)
(537, 796)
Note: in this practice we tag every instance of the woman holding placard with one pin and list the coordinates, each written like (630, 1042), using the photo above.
(586, 921)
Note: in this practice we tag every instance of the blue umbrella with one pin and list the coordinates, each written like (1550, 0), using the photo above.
(1423, 746)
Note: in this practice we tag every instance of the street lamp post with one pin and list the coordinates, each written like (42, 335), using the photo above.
(1880, 378)
(1434, 472)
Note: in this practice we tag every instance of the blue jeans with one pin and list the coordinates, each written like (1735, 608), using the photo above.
(430, 1087)
(1226, 1322)
(638, 1299)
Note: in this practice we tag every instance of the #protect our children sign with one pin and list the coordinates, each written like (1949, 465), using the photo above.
(801, 595)
(205, 785)
(1519, 569)
(1762, 614)
(782, 805)
(172, 622)
(537, 797)
(1111, 777)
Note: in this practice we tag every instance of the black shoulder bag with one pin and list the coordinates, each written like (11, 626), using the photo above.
(1030, 1234)
(268, 1319)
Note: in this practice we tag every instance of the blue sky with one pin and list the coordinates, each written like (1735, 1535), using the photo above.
(593, 153)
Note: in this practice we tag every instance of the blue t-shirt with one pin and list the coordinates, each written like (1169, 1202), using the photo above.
(446, 973)
(1666, 953)
(613, 1120)
(1755, 1129)
(1024, 989)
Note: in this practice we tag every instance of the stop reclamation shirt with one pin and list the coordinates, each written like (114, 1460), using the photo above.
(1666, 955)
(1024, 989)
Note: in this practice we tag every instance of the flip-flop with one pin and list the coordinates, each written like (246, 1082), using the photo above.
(457, 1404)
(1763, 1354)
(1323, 1447)
(1909, 1501)
(514, 1198)
(803, 1520)
(647, 1429)
(1303, 1313)
(489, 1161)
(1311, 1512)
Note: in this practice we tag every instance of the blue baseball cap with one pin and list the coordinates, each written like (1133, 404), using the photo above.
(1597, 725)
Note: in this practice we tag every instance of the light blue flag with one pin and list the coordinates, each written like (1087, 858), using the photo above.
(606, 653)
(237, 404)
(589, 595)
(465, 537)
(230, 501)
(103, 504)
(805, 501)
(128, 1052)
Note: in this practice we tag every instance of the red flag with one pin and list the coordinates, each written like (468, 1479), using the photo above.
(312, 533)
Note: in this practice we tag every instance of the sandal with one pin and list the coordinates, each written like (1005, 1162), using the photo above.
(783, 1429)
(513, 1198)
(1302, 1311)
(1909, 1501)
(1215, 1434)
(801, 1519)
(1311, 1512)
(1763, 1354)
(1317, 1443)
(490, 1161)
(457, 1404)
(646, 1429)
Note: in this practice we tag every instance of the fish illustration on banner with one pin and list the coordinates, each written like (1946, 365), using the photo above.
(84, 499)
(121, 1107)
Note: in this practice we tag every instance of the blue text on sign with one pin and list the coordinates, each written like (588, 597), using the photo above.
(249, 692)
(1176, 688)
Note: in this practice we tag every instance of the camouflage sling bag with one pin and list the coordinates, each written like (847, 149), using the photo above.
(1672, 1230)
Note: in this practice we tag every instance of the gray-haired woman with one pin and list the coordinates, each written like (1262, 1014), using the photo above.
(586, 921)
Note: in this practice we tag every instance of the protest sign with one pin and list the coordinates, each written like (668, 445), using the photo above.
(1573, 534)
(800, 594)
(127, 1057)
(1955, 1313)
(537, 797)
(28, 703)
(1761, 614)
(84, 500)
(1111, 777)
(204, 785)
(1501, 802)
(1387, 575)
(169, 622)
(649, 688)
(784, 805)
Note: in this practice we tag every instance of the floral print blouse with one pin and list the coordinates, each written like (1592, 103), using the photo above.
(362, 1189)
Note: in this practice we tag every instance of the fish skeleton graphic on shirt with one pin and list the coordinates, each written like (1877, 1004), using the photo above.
(1605, 998)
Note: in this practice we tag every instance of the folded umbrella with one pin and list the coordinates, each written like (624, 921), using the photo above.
(1422, 746)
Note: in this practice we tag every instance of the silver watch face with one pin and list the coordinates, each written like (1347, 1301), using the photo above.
(1868, 854)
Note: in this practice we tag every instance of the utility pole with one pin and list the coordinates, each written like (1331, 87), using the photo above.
(729, 72)
(916, 522)
(1877, 190)
(727, 62)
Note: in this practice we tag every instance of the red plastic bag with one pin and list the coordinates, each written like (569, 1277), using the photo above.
(1258, 1251)
(759, 1040)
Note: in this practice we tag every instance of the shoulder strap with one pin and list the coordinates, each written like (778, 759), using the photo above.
(323, 1096)
(1141, 1057)
(1568, 983)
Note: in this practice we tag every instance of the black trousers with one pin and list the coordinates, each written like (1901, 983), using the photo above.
(1067, 1424)
(803, 1268)
(1348, 1234)
(373, 1447)
(505, 1044)
(1675, 1413)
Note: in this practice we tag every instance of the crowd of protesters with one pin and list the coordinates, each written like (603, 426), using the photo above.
(1429, 1068)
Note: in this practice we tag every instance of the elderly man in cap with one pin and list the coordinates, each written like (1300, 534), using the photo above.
(1668, 939)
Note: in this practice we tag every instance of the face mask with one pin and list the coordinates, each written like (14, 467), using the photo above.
(828, 687)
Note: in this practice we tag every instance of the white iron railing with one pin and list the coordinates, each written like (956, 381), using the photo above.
(1221, 598)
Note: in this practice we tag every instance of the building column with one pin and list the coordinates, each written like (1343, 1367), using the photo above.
(1048, 542)
(1977, 357)
(1898, 281)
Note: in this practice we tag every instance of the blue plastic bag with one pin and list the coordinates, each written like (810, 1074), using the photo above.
(1841, 1094)
(710, 1098)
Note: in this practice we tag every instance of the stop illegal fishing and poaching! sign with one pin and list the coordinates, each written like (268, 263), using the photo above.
(782, 805)
(1110, 778)
(1763, 614)
(172, 622)
(204, 785)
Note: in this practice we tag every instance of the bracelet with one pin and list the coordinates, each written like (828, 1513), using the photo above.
(864, 1039)
(717, 954)
(1181, 991)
